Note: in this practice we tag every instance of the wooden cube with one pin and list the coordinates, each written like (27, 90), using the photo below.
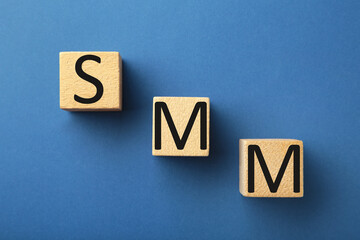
(271, 168)
(181, 126)
(90, 81)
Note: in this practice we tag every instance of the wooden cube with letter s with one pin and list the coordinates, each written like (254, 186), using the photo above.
(181, 126)
(90, 81)
(271, 168)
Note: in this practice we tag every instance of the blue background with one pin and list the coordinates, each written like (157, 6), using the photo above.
(271, 70)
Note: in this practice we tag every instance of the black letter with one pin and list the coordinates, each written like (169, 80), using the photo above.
(87, 77)
(180, 143)
(273, 186)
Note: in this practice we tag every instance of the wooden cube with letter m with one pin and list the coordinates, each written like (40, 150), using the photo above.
(181, 126)
(271, 168)
(90, 81)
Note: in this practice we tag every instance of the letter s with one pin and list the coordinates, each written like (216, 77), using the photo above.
(87, 77)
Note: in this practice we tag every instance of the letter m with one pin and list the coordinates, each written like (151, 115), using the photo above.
(180, 142)
(273, 186)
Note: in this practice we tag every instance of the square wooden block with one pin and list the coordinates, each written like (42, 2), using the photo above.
(90, 81)
(271, 168)
(181, 126)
